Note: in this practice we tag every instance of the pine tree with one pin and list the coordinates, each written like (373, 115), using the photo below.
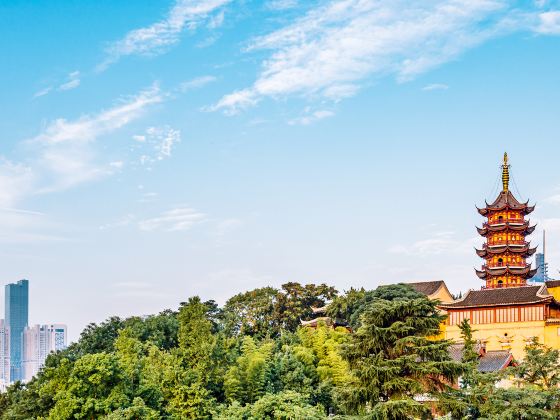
(541, 366)
(395, 359)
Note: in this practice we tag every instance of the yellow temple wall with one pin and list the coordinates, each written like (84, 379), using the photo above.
(552, 336)
(518, 335)
(442, 295)
(554, 291)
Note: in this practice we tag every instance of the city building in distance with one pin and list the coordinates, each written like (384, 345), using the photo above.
(16, 316)
(542, 265)
(4, 355)
(38, 342)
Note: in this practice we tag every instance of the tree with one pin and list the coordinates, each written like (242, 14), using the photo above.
(247, 380)
(541, 366)
(189, 368)
(286, 405)
(97, 338)
(252, 313)
(351, 305)
(93, 388)
(344, 306)
(295, 301)
(138, 410)
(394, 359)
(196, 340)
(161, 329)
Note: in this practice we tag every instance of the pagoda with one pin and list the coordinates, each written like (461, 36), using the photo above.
(506, 250)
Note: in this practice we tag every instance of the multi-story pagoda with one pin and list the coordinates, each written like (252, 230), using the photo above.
(506, 250)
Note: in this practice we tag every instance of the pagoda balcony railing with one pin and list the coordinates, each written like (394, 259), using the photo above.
(507, 242)
(503, 265)
(504, 221)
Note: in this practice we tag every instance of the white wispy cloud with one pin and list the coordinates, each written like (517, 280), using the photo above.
(65, 153)
(16, 182)
(122, 222)
(156, 38)
(178, 219)
(435, 86)
(281, 4)
(72, 82)
(554, 199)
(338, 45)
(549, 23)
(22, 226)
(196, 83)
(43, 92)
(551, 224)
(157, 144)
(310, 117)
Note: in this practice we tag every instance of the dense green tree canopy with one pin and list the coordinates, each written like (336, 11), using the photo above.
(250, 359)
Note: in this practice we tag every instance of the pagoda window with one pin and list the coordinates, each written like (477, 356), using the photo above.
(500, 283)
(500, 262)
(500, 219)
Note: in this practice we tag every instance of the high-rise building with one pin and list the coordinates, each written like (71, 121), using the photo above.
(4, 355)
(38, 342)
(17, 312)
(542, 265)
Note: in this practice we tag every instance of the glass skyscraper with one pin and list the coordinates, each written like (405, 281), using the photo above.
(16, 315)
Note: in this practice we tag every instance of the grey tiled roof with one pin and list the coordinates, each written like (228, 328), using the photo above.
(489, 361)
(505, 296)
(427, 287)
(494, 360)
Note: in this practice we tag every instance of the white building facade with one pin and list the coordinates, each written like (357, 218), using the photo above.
(4, 355)
(38, 342)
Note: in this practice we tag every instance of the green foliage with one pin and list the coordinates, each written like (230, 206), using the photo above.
(541, 366)
(93, 388)
(294, 302)
(351, 305)
(251, 313)
(138, 410)
(286, 405)
(267, 312)
(393, 358)
(246, 381)
(251, 360)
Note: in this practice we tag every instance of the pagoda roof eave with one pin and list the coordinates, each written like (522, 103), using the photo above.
(506, 201)
(502, 249)
(526, 272)
(521, 228)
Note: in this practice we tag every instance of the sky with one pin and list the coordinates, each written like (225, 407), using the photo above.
(153, 151)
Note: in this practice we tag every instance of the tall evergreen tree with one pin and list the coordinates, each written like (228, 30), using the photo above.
(396, 360)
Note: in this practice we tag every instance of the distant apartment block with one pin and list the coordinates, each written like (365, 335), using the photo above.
(4, 355)
(16, 317)
(38, 342)
(542, 269)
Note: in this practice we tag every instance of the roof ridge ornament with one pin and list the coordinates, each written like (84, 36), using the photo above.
(505, 173)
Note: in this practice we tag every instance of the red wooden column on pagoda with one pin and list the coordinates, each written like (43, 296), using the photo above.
(506, 250)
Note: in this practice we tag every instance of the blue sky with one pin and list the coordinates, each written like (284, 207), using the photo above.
(157, 150)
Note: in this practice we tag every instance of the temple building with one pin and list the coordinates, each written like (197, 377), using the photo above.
(507, 312)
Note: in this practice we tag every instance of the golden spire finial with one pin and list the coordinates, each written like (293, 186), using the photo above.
(505, 173)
